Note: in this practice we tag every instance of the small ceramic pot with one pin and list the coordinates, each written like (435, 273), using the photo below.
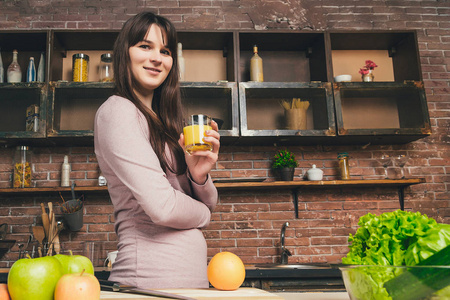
(314, 174)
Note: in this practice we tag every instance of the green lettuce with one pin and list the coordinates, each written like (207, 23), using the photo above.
(396, 238)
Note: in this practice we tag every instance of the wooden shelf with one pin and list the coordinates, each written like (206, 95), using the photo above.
(295, 186)
(322, 183)
(42, 190)
(243, 185)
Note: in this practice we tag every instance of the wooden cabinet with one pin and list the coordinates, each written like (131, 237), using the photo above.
(393, 108)
(299, 65)
(287, 56)
(387, 112)
(264, 120)
(218, 100)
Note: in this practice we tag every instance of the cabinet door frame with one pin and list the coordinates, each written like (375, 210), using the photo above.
(228, 136)
(382, 135)
(287, 136)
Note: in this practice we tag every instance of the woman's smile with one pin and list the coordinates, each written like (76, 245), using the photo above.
(153, 71)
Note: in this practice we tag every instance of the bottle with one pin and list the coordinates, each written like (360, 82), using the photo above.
(65, 172)
(181, 63)
(14, 73)
(106, 68)
(80, 67)
(31, 71)
(22, 167)
(256, 66)
(343, 166)
(2, 71)
(41, 69)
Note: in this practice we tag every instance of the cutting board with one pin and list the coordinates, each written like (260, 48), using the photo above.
(200, 294)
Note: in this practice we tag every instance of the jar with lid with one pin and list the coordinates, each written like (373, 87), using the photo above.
(314, 173)
(106, 68)
(22, 167)
(344, 166)
(80, 67)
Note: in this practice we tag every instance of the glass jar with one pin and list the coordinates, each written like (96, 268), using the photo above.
(22, 167)
(106, 68)
(80, 67)
(343, 166)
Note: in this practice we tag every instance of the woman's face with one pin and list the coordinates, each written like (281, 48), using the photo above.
(151, 60)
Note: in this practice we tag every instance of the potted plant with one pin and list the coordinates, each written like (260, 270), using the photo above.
(285, 163)
(367, 71)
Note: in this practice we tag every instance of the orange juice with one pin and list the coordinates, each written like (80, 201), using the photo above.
(193, 138)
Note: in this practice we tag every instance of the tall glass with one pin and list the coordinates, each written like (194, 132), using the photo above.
(195, 132)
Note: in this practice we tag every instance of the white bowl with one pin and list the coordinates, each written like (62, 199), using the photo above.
(343, 78)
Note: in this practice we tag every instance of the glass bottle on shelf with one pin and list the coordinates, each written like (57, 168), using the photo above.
(31, 71)
(181, 63)
(2, 79)
(41, 69)
(106, 68)
(344, 166)
(14, 73)
(256, 66)
(22, 167)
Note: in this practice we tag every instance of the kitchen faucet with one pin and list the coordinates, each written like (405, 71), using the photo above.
(285, 253)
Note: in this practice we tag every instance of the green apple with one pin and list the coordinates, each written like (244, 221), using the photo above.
(34, 278)
(75, 263)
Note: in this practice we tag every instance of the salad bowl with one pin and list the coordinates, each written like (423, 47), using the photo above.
(396, 282)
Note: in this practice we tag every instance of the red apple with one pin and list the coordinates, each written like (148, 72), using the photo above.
(34, 278)
(75, 263)
(77, 286)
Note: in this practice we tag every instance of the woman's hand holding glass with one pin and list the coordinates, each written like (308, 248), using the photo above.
(201, 162)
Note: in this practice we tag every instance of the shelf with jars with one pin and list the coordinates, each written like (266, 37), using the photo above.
(299, 68)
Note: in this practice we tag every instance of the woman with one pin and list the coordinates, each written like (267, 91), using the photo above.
(162, 196)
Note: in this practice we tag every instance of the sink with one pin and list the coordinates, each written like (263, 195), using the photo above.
(293, 266)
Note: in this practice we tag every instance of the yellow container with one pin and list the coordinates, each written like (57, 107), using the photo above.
(80, 67)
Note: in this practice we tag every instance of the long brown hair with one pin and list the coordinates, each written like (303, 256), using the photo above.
(166, 126)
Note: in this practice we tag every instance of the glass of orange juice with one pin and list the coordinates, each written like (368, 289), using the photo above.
(195, 132)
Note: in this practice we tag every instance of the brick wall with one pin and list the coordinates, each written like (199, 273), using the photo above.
(249, 222)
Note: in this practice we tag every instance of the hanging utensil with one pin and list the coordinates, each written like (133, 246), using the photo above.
(72, 189)
(20, 250)
(45, 220)
(39, 234)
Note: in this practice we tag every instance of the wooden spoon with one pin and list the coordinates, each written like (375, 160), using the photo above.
(45, 220)
(39, 234)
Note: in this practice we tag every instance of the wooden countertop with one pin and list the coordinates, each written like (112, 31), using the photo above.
(212, 294)
(239, 294)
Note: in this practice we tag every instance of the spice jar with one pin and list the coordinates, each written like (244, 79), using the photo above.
(343, 165)
(22, 167)
(106, 68)
(80, 67)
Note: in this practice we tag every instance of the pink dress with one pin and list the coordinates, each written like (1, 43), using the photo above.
(158, 217)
